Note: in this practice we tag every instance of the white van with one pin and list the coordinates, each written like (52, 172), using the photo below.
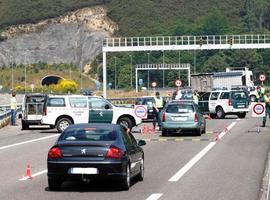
(62, 110)
(32, 109)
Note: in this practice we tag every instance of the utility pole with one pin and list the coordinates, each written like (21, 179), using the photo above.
(148, 74)
(163, 81)
(115, 73)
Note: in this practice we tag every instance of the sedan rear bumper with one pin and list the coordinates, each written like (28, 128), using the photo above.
(182, 126)
(60, 170)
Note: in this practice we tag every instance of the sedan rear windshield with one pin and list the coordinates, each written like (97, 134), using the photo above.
(89, 134)
(180, 108)
(239, 95)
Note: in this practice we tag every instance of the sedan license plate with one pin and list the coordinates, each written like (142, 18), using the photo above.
(77, 170)
(180, 118)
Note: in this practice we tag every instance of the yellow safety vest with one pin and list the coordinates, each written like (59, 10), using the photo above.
(159, 102)
(195, 98)
(13, 103)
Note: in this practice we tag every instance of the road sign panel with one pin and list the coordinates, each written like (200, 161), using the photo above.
(262, 77)
(141, 111)
(178, 83)
(258, 109)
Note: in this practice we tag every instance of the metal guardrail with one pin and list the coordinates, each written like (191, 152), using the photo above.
(5, 111)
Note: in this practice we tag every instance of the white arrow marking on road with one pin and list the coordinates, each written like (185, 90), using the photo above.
(195, 159)
(28, 141)
(154, 196)
(34, 175)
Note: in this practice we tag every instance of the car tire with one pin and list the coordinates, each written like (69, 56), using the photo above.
(54, 184)
(213, 115)
(241, 115)
(141, 174)
(125, 121)
(24, 125)
(126, 181)
(198, 132)
(220, 113)
(164, 132)
(204, 128)
(62, 124)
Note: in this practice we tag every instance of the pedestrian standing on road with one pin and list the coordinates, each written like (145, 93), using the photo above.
(266, 99)
(13, 108)
(195, 97)
(157, 107)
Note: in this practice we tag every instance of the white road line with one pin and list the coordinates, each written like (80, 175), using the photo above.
(28, 141)
(34, 175)
(229, 128)
(195, 159)
(154, 196)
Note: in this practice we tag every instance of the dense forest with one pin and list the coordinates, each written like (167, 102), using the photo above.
(163, 18)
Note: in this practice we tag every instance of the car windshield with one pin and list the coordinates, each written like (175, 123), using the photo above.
(239, 95)
(180, 108)
(89, 134)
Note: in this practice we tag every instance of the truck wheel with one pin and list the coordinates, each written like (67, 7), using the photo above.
(24, 126)
(62, 124)
(220, 113)
(241, 115)
(126, 121)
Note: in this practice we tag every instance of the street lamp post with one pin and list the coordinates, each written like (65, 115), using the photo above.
(131, 68)
(148, 74)
(115, 73)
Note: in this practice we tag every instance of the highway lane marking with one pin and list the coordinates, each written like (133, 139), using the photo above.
(196, 158)
(34, 175)
(154, 196)
(28, 141)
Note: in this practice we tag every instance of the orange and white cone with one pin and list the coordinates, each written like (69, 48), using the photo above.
(28, 172)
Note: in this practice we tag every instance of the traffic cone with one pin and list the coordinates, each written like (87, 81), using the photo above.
(217, 137)
(28, 172)
(226, 130)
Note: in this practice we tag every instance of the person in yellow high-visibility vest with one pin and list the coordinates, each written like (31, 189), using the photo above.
(13, 108)
(157, 107)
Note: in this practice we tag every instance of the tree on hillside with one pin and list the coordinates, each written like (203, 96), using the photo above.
(215, 63)
(215, 24)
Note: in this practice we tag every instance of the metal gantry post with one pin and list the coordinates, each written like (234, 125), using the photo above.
(136, 77)
(104, 75)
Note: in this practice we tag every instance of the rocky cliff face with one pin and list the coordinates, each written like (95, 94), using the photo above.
(74, 38)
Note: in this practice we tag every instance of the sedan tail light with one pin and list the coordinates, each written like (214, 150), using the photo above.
(114, 152)
(196, 118)
(55, 152)
(230, 102)
(163, 116)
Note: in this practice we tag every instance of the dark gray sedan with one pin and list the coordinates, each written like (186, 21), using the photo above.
(95, 151)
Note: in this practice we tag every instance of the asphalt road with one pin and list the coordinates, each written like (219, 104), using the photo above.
(183, 167)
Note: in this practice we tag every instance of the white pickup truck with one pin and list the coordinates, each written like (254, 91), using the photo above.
(63, 110)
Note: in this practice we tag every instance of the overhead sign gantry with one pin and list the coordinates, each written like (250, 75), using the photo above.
(169, 43)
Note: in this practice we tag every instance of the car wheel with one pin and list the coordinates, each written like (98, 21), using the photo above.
(198, 132)
(126, 180)
(204, 128)
(24, 126)
(241, 115)
(125, 121)
(164, 132)
(141, 174)
(62, 124)
(213, 115)
(54, 184)
(220, 113)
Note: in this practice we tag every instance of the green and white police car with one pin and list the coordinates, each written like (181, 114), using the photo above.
(62, 110)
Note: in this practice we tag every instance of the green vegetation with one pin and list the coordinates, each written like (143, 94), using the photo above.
(163, 17)
(36, 72)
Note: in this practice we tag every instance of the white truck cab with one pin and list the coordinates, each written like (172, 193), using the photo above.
(63, 110)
